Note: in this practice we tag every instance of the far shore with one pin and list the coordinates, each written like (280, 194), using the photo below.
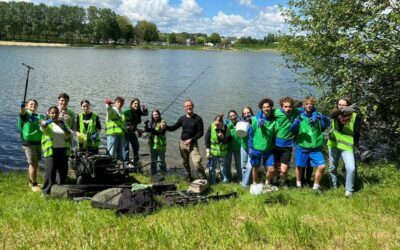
(175, 47)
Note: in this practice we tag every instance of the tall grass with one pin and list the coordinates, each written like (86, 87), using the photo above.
(292, 218)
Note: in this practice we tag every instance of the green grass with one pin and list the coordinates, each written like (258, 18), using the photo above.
(293, 218)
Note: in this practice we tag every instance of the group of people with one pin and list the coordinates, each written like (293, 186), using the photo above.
(266, 140)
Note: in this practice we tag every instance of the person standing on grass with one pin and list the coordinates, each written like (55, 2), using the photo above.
(261, 142)
(284, 142)
(88, 128)
(308, 128)
(157, 142)
(133, 117)
(247, 115)
(115, 128)
(31, 136)
(233, 150)
(192, 130)
(343, 138)
(56, 147)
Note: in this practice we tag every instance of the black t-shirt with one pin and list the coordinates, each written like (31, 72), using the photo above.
(192, 127)
(86, 118)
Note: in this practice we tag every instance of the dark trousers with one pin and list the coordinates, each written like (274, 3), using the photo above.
(58, 162)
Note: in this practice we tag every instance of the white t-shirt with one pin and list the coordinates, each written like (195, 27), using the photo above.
(58, 137)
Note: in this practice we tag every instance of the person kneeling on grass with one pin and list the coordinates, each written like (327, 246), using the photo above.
(157, 142)
(216, 140)
(343, 137)
(56, 147)
(31, 136)
(308, 128)
(261, 142)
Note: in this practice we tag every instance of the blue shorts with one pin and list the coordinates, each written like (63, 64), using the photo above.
(302, 156)
(267, 158)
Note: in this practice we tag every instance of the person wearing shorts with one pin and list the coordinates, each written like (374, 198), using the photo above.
(308, 128)
(31, 137)
(261, 141)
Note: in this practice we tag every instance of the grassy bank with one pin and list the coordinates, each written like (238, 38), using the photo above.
(293, 218)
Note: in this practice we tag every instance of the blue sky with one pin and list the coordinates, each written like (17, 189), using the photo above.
(237, 18)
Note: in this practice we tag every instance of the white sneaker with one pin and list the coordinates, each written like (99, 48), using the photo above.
(348, 194)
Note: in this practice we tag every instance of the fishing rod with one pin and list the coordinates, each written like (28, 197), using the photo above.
(188, 86)
(27, 79)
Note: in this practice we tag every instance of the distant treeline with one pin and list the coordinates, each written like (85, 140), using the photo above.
(72, 24)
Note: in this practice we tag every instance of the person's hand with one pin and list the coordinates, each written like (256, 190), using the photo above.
(251, 151)
(163, 125)
(22, 104)
(46, 123)
(144, 108)
(220, 135)
(187, 142)
(314, 118)
(208, 154)
(146, 123)
(260, 122)
(108, 102)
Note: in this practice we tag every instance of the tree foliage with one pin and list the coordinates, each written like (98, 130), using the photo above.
(147, 31)
(350, 49)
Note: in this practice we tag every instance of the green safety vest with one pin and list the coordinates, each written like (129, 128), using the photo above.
(235, 143)
(91, 129)
(47, 142)
(310, 137)
(263, 137)
(342, 140)
(115, 124)
(244, 142)
(158, 142)
(30, 131)
(71, 114)
(284, 122)
(219, 149)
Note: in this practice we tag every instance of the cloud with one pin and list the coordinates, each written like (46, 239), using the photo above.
(187, 16)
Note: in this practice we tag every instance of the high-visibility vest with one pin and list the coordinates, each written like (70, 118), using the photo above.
(115, 123)
(310, 137)
(284, 121)
(30, 129)
(264, 136)
(158, 142)
(342, 140)
(89, 131)
(235, 143)
(219, 149)
(47, 142)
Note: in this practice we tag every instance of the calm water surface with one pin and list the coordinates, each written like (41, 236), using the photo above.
(231, 80)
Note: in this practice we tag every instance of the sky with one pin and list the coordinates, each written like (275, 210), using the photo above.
(237, 18)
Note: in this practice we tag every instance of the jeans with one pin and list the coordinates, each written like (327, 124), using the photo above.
(133, 140)
(226, 170)
(246, 167)
(155, 155)
(349, 163)
(213, 164)
(115, 146)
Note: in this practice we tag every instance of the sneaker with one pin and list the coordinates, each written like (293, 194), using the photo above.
(348, 194)
(36, 189)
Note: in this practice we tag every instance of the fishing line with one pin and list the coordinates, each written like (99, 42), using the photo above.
(188, 86)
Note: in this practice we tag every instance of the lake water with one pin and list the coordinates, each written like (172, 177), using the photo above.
(231, 80)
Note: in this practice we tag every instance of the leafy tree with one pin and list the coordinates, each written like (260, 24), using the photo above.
(200, 40)
(172, 38)
(214, 38)
(350, 48)
(147, 31)
(127, 29)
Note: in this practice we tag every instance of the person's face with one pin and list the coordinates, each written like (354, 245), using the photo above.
(266, 108)
(287, 107)
(233, 116)
(342, 104)
(118, 104)
(218, 124)
(188, 107)
(156, 116)
(32, 106)
(62, 102)
(135, 105)
(53, 114)
(246, 113)
(308, 106)
(85, 107)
